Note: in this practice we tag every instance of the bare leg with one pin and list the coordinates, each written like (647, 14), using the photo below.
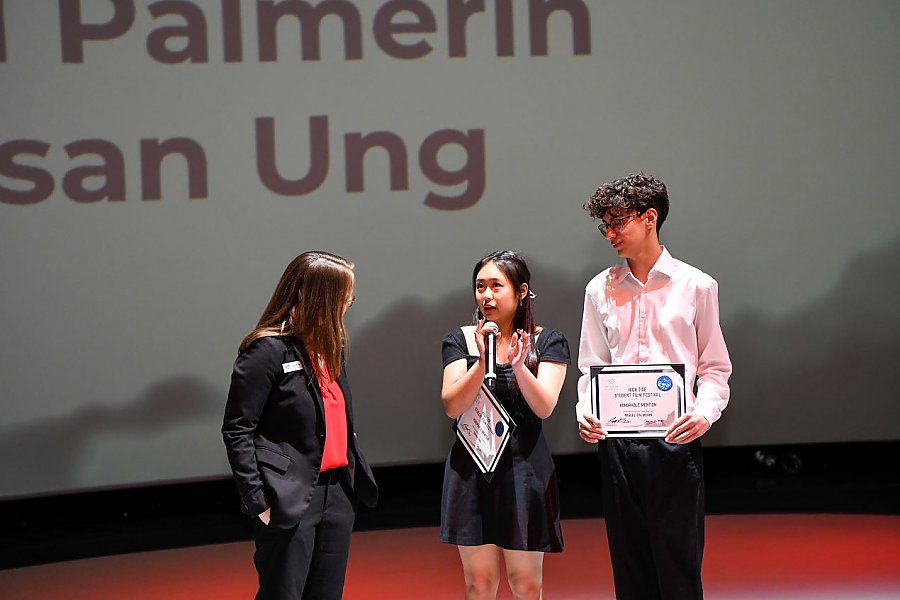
(481, 569)
(525, 573)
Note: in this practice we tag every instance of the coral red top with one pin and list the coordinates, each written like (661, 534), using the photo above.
(335, 453)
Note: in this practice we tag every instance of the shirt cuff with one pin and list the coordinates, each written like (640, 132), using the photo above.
(708, 410)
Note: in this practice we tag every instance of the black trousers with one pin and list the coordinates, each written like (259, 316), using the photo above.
(654, 510)
(308, 561)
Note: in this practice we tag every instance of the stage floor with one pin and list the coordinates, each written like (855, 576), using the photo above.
(749, 556)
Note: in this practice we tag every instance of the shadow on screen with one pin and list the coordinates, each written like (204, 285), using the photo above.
(824, 372)
(47, 454)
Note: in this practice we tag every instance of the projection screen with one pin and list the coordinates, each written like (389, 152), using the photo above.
(162, 162)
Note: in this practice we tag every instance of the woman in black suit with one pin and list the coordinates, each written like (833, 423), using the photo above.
(288, 430)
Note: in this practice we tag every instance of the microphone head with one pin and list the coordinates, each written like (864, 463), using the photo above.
(490, 325)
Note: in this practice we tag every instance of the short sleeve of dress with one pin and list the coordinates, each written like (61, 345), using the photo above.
(454, 347)
(552, 346)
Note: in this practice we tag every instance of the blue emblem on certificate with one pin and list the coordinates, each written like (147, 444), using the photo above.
(637, 400)
(664, 383)
(484, 430)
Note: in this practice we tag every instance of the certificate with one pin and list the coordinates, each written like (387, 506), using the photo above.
(484, 430)
(637, 400)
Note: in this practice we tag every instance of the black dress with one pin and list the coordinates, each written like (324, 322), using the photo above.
(519, 508)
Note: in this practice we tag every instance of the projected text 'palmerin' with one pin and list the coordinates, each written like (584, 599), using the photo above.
(401, 29)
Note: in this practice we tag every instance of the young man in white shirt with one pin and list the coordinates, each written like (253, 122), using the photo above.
(652, 309)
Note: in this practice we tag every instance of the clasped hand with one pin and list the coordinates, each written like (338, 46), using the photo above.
(518, 348)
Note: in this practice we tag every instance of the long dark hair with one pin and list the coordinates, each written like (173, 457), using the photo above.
(513, 265)
(308, 305)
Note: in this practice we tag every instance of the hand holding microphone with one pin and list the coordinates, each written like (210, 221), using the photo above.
(490, 330)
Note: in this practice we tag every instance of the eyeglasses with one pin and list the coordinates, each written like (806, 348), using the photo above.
(616, 224)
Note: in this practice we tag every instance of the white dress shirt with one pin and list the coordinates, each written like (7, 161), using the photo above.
(673, 318)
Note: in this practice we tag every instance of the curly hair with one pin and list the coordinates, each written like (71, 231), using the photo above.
(638, 192)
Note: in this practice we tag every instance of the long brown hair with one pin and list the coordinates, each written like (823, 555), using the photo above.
(308, 305)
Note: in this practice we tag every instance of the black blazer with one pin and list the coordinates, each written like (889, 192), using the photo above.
(274, 432)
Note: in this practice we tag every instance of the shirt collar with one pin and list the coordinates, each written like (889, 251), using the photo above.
(665, 265)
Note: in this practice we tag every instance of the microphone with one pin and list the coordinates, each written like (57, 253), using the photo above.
(490, 353)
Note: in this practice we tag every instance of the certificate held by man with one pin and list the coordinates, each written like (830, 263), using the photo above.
(637, 400)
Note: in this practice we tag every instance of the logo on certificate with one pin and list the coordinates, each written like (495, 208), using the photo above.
(664, 383)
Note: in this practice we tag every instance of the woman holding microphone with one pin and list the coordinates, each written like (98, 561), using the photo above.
(516, 514)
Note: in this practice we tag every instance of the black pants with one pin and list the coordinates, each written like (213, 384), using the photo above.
(308, 561)
(653, 507)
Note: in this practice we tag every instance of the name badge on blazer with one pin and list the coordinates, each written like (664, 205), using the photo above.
(290, 367)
